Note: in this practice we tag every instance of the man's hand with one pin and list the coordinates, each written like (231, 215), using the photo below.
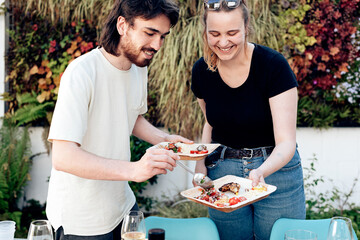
(155, 161)
(177, 138)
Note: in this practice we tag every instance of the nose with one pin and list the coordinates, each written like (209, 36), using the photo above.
(157, 43)
(223, 41)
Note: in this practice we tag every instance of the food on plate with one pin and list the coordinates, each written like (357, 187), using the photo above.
(173, 147)
(236, 200)
(229, 201)
(186, 148)
(222, 202)
(201, 149)
(210, 195)
(232, 187)
(217, 198)
(259, 188)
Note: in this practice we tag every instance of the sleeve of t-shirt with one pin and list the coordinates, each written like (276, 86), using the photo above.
(70, 116)
(196, 80)
(282, 78)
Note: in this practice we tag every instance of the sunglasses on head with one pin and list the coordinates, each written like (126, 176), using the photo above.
(215, 4)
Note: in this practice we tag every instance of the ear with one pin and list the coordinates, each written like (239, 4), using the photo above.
(121, 25)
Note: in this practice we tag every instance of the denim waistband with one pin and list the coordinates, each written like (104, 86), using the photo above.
(244, 153)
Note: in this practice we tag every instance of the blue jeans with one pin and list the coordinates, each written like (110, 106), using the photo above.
(255, 221)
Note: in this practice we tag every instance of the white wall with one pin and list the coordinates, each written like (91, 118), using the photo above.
(2, 58)
(337, 151)
(338, 154)
(38, 184)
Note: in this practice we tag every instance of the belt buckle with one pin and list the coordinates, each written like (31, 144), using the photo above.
(251, 153)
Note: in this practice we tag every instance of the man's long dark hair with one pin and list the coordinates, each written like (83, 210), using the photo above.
(130, 9)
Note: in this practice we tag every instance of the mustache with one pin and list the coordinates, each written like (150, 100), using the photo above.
(149, 50)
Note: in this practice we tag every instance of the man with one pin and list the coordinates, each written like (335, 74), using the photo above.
(102, 96)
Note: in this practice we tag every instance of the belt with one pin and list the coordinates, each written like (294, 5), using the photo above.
(245, 153)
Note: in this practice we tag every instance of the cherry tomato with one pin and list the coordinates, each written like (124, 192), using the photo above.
(203, 152)
(241, 199)
(233, 201)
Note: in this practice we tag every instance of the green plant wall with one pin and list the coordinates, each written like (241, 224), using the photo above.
(320, 39)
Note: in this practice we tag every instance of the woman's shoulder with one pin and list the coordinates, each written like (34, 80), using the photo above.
(268, 54)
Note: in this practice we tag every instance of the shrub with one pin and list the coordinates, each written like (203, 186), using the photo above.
(15, 162)
(327, 71)
(39, 52)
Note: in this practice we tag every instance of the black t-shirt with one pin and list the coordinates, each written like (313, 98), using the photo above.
(241, 117)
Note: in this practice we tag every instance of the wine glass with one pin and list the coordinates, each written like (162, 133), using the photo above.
(340, 229)
(300, 234)
(133, 227)
(40, 230)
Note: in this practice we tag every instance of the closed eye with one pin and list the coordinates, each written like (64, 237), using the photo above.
(232, 33)
(214, 34)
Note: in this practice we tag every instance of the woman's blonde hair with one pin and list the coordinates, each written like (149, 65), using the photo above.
(210, 57)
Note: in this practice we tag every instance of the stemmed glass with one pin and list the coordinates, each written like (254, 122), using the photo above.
(340, 229)
(40, 230)
(133, 227)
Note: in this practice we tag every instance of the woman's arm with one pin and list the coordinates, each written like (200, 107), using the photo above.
(283, 110)
(206, 138)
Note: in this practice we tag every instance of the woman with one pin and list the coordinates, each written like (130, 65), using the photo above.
(248, 95)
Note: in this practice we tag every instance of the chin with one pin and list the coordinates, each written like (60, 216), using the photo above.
(143, 63)
(225, 58)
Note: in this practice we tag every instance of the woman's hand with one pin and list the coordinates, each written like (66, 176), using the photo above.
(257, 176)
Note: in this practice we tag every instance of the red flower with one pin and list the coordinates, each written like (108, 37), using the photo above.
(51, 49)
(73, 24)
(53, 43)
(85, 47)
(34, 27)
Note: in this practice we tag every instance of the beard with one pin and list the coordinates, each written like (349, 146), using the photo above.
(133, 53)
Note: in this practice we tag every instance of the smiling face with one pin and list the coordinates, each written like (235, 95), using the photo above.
(140, 41)
(226, 33)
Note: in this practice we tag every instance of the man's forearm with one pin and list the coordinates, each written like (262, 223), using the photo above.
(69, 157)
(147, 132)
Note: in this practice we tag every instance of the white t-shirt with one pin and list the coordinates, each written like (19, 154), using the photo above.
(97, 107)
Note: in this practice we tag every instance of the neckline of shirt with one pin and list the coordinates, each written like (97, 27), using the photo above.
(248, 77)
(110, 65)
